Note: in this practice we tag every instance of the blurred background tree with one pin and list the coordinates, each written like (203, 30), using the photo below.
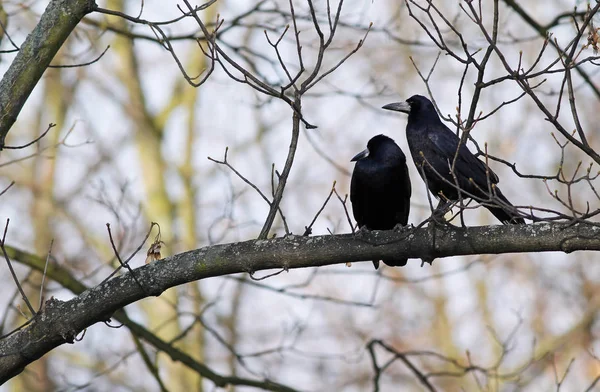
(142, 92)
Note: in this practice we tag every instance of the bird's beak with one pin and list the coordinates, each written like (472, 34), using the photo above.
(361, 155)
(403, 107)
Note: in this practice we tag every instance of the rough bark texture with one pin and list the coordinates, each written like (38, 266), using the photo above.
(59, 322)
(56, 24)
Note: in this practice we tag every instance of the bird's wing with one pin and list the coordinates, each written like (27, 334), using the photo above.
(403, 181)
(466, 163)
(358, 205)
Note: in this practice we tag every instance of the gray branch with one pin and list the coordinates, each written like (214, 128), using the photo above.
(56, 24)
(60, 322)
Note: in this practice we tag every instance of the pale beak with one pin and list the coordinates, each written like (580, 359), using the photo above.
(361, 155)
(403, 107)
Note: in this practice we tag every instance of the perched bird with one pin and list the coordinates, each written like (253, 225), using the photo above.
(380, 188)
(434, 146)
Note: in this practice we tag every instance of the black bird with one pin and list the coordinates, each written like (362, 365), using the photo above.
(433, 148)
(380, 188)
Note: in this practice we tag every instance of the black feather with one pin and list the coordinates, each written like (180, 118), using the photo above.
(380, 188)
(433, 147)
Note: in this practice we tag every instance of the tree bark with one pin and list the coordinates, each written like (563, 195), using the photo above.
(60, 322)
(56, 24)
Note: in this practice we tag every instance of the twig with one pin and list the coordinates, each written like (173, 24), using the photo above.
(126, 263)
(37, 139)
(81, 64)
(44, 275)
(7, 188)
(343, 201)
(12, 271)
(237, 173)
(308, 229)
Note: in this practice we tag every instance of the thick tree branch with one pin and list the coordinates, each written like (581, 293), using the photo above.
(56, 24)
(59, 322)
(61, 275)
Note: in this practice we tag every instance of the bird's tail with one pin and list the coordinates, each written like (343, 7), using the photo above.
(391, 263)
(506, 214)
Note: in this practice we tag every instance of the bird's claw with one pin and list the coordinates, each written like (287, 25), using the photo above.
(400, 227)
(362, 231)
(438, 219)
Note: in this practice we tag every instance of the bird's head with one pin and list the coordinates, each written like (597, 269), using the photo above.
(377, 148)
(413, 106)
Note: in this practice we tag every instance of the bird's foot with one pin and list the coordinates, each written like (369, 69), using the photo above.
(361, 232)
(440, 211)
(400, 228)
(437, 219)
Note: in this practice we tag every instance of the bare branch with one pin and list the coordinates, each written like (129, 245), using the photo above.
(56, 24)
(63, 321)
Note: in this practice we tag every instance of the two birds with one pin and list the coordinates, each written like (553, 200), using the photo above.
(380, 188)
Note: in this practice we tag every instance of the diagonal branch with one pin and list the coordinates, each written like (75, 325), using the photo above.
(36, 53)
(60, 322)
